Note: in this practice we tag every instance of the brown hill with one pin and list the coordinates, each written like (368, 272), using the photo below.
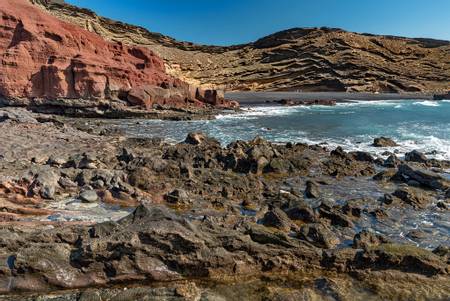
(315, 59)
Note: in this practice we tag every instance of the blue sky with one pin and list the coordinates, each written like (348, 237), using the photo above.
(225, 22)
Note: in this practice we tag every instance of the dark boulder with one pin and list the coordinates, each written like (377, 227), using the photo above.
(402, 257)
(366, 239)
(277, 218)
(416, 156)
(389, 199)
(199, 139)
(336, 218)
(424, 177)
(444, 252)
(413, 196)
(362, 156)
(312, 190)
(319, 235)
(354, 208)
(385, 175)
(391, 162)
(384, 142)
(276, 165)
(416, 235)
(302, 213)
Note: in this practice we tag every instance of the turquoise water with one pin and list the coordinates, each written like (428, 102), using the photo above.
(422, 125)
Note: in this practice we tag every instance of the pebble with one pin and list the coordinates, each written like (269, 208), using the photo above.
(89, 196)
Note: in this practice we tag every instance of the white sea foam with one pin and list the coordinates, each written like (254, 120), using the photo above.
(428, 103)
(252, 113)
(353, 103)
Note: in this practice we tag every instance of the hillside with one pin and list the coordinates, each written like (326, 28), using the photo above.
(46, 62)
(313, 59)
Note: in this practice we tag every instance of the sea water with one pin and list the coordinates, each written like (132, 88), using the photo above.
(420, 125)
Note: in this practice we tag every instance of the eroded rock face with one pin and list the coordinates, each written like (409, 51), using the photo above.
(320, 55)
(44, 59)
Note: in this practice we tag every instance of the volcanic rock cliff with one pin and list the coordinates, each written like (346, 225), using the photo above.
(46, 61)
(316, 59)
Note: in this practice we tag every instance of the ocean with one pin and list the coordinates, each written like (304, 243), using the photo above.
(413, 124)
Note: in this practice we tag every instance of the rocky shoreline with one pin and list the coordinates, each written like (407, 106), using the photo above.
(95, 213)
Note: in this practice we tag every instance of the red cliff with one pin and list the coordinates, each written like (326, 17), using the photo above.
(45, 58)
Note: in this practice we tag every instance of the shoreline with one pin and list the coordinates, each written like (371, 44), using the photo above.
(258, 98)
(240, 206)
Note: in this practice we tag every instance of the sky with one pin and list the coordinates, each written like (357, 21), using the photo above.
(229, 22)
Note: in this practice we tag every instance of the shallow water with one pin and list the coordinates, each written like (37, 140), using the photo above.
(414, 124)
(433, 223)
(421, 125)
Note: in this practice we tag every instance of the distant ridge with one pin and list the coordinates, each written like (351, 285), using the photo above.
(307, 59)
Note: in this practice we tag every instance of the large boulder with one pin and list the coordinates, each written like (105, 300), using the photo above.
(416, 156)
(423, 176)
(413, 196)
(402, 257)
(277, 218)
(384, 142)
(367, 239)
(312, 190)
(319, 235)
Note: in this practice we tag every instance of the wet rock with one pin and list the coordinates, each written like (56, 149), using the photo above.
(366, 239)
(416, 235)
(444, 252)
(385, 175)
(302, 213)
(391, 162)
(319, 235)
(416, 156)
(200, 138)
(413, 196)
(277, 165)
(384, 142)
(362, 156)
(314, 102)
(312, 190)
(277, 218)
(340, 153)
(89, 196)
(260, 235)
(389, 199)
(354, 207)
(178, 196)
(336, 218)
(424, 177)
(442, 205)
(406, 258)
